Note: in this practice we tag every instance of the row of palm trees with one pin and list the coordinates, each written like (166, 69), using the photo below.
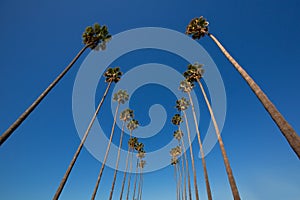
(194, 73)
(95, 37)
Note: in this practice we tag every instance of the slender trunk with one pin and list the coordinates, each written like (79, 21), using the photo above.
(176, 182)
(135, 179)
(25, 114)
(192, 156)
(286, 129)
(129, 177)
(71, 165)
(183, 173)
(106, 153)
(117, 163)
(179, 181)
(208, 190)
(140, 184)
(231, 179)
(187, 168)
(125, 173)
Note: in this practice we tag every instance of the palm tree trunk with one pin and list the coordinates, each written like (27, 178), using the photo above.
(183, 173)
(176, 182)
(117, 163)
(179, 181)
(71, 165)
(25, 114)
(125, 173)
(135, 179)
(129, 177)
(231, 179)
(187, 168)
(106, 153)
(192, 156)
(286, 129)
(208, 190)
(142, 182)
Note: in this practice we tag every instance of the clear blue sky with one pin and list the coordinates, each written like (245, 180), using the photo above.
(39, 39)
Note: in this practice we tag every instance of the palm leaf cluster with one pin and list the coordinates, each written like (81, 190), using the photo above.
(94, 35)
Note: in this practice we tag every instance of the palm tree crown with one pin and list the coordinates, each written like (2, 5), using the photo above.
(182, 104)
(176, 151)
(142, 163)
(177, 119)
(94, 35)
(113, 75)
(198, 28)
(186, 86)
(194, 72)
(178, 134)
(121, 96)
(132, 124)
(126, 115)
(132, 142)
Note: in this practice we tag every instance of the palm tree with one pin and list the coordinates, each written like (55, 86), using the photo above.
(195, 73)
(125, 116)
(187, 87)
(198, 28)
(142, 164)
(111, 75)
(175, 152)
(140, 155)
(121, 97)
(91, 38)
(132, 124)
(178, 134)
(183, 104)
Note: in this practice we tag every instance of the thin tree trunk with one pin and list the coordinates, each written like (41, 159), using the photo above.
(125, 173)
(286, 129)
(142, 183)
(183, 172)
(179, 181)
(187, 168)
(231, 179)
(71, 165)
(135, 179)
(117, 163)
(176, 182)
(208, 190)
(192, 156)
(25, 114)
(129, 177)
(106, 153)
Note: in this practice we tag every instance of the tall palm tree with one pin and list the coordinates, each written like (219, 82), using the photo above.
(178, 134)
(142, 164)
(125, 116)
(187, 87)
(198, 28)
(183, 104)
(195, 73)
(140, 155)
(175, 152)
(111, 75)
(132, 124)
(92, 36)
(121, 97)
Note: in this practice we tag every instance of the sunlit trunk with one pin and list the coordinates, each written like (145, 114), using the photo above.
(286, 129)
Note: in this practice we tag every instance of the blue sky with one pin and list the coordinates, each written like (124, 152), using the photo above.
(40, 38)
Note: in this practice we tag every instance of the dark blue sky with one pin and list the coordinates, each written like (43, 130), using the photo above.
(39, 39)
